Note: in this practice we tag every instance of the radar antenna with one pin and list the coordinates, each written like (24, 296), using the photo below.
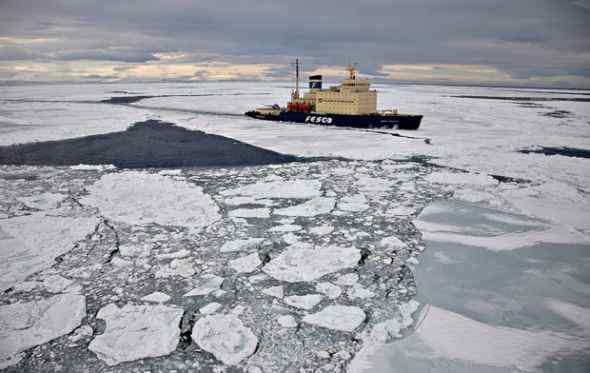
(351, 68)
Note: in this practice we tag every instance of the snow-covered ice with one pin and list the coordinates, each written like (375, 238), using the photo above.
(274, 291)
(287, 321)
(205, 285)
(156, 297)
(140, 198)
(337, 317)
(354, 203)
(261, 213)
(24, 325)
(305, 302)
(210, 308)
(43, 201)
(226, 337)
(330, 290)
(245, 264)
(136, 332)
(313, 207)
(241, 245)
(301, 262)
(31, 243)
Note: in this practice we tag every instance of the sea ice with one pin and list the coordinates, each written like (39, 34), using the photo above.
(321, 230)
(305, 302)
(30, 243)
(139, 198)
(135, 250)
(261, 213)
(210, 308)
(278, 189)
(337, 317)
(24, 325)
(206, 285)
(274, 291)
(330, 290)
(313, 207)
(287, 321)
(357, 291)
(347, 279)
(156, 297)
(241, 245)
(454, 178)
(286, 228)
(225, 337)
(43, 201)
(301, 262)
(174, 255)
(245, 264)
(177, 267)
(354, 203)
(136, 332)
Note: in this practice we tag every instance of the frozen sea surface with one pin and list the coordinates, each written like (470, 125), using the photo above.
(501, 267)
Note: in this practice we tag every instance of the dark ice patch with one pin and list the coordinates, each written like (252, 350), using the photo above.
(565, 151)
(561, 114)
(151, 143)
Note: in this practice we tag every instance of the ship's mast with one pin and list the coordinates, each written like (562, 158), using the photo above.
(297, 78)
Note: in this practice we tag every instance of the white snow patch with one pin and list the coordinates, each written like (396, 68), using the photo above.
(306, 302)
(337, 317)
(278, 189)
(25, 325)
(206, 285)
(313, 207)
(31, 243)
(139, 198)
(261, 213)
(301, 262)
(156, 297)
(136, 332)
(330, 290)
(225, 337)
(241, 245)
(246, 264)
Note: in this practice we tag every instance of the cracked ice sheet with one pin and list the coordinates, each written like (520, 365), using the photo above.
(30, 243)
(446, 341)
(136, 332)
(313, 207)
(24, 325)
(301, 262)
(278, 189)
(139, 198)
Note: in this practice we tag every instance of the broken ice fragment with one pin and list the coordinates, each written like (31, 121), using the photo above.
(278, 189)
(206, 285)
(241, 245)
(337, 317)
(225, 337)
(305, 302)
(330, 290)
(246, 263)
(43, 201)
(313, 207)
(136, 332)
(25, 325)
(274, 291)
(355, 203)
(301, 262)
(357, 291)
(261, 213)
(348, 279)
(177, 267)
(287, 321)
(156, 297)
(210, 308)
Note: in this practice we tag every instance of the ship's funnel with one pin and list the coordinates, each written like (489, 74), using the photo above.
(315, 82)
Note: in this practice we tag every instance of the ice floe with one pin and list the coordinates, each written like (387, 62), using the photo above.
(241, 245)
(287, 321)
(301, 262)
(274, 291)
(136, 332)
(226, 337)
(245, 264)
(43, 201)
(454, 178)
(205, 285)
(337, 317)
(210, 308)
(330, 290)
(25, 325)
(30, 243)
(156, 297)
(305, 302)
(321, 230)
(261, 213)
(354, 203)
(286, 228)
(357, 291)
(313, 207)
(347, 279)
(93, 167)
(141, 198)
(278, 189)
(177, 267)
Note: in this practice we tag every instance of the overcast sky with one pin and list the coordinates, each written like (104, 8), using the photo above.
(521, 42)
